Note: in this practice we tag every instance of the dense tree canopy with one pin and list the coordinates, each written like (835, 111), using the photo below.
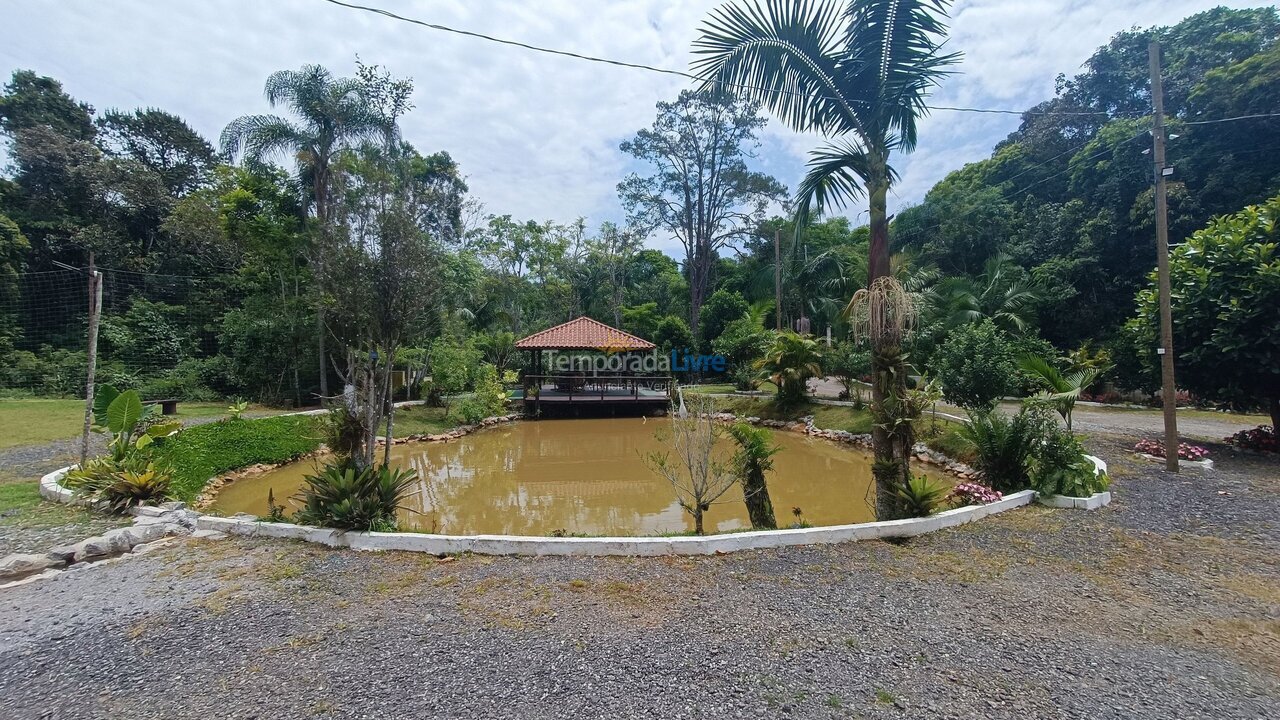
(216, 285)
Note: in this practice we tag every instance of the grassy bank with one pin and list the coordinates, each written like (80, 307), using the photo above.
(420, 419)
(34, 421)
(201, 452)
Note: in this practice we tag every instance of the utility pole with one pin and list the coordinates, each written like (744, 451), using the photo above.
(1168, 389)
(95, 309)
(777, 277)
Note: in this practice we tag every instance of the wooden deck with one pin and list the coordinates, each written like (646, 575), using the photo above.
(561, 391)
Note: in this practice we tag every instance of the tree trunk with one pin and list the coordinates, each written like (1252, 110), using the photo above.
(887, 370)
(390, 408)
(755, 492)
(1275, 415)
(697, 522)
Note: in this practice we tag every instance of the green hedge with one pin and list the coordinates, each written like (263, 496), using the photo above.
(199, 453)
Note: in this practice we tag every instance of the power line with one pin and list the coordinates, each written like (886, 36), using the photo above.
(1028, 188)
(1229, 119)
(664, 71)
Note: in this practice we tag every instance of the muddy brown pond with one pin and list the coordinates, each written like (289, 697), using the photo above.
(582, 477)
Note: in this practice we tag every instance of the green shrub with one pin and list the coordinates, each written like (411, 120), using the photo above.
(199, 453)
(186, 381)
(1002, 446)
(345, 497)
(1059, 467)
(975, 365)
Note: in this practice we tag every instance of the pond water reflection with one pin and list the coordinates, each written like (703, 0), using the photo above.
(582, 477)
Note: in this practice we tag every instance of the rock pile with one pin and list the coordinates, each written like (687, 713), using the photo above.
(152, 525)
(457, 432)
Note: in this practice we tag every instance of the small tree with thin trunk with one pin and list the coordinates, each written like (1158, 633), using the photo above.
(697, 473)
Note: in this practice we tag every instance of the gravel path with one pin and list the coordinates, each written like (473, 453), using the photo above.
(1165, 604)
(1142, 422)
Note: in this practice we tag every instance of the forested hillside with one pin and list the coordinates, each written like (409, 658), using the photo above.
(1068, 198)
(221, 256)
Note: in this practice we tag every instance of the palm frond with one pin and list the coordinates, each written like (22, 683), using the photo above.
(297, 88)
(260, 136)
(837, 175)
(784, 55)
(895, 57)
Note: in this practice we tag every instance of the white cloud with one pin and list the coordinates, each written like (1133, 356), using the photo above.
(537, 134)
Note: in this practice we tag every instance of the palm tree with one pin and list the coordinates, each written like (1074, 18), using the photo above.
(1000, 293)
(789, 361)
(1062, 390)
(858, 72)
(331, 114)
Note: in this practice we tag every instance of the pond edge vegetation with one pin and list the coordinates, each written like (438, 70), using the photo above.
(51, 488)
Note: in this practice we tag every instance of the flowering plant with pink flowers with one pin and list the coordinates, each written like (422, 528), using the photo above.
(1186, 451)
(972, 493)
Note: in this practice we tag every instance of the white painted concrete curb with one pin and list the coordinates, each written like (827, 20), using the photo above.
(52, 489)
(534, 545)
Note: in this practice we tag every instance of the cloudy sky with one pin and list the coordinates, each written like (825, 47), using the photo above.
(537, 135)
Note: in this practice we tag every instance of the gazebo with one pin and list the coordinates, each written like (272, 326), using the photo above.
(584, 362)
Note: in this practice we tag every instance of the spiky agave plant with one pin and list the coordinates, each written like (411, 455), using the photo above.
(346, 497)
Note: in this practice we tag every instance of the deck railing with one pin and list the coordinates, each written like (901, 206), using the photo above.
(568, 387)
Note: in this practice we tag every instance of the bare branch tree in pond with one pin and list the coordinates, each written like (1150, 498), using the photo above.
(697, 473)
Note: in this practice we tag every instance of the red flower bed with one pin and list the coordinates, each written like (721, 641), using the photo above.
(1262, 438)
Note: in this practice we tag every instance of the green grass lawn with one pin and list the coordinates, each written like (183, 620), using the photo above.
(30, 421)
(22, 507)
(419, 419)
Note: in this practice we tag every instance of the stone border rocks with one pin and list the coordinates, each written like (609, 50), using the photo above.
(151, 527)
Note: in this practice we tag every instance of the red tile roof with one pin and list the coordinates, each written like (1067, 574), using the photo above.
(584, 334)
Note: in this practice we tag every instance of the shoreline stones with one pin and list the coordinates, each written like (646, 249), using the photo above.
(152, 525)
(920, 453)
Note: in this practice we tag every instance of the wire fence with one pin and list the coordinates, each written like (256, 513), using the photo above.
(158, 333)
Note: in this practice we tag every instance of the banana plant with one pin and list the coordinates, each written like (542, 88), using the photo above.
(123, 416)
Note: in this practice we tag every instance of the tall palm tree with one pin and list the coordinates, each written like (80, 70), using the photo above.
(858, 72)
(330, 115)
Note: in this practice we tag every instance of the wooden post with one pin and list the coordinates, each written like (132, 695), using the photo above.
(1169, 390)
(95, 308)
(777, 278)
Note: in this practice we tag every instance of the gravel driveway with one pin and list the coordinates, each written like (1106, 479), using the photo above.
(1166, 604)
(1143, 422)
